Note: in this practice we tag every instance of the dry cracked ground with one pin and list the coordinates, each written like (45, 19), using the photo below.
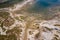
(16, 23)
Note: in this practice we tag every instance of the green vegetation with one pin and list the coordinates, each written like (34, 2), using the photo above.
(49, 29)
(8, 37)
(56, 37)
(8, 22)
(4, 14)
(15, 30)
(9, 3)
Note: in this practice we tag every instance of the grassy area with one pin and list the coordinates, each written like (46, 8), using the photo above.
(6, 37)
(4, 14)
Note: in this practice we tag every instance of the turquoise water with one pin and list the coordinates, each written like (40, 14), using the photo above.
(41, 5)
(38, 3)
